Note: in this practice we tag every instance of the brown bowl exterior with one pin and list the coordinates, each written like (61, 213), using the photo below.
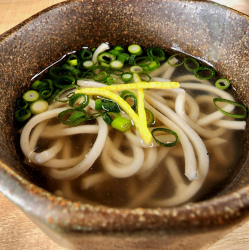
(203, 29)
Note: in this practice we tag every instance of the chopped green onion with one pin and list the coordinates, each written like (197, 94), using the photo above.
(106, 57)
(110, 80)
(126, 77)
(85, 55)
(61, 75)
(108, 119)
(202, 69)
(156, 53)
(72, 69)
(177, 64)
(233, 103)
(144, 77)
(30, 96)
(108, 106)
(22, 115)
(136, 69)
(122, 124)
(61, 92)
(114, 52)
(123, 57)
(105, 64)
(73, 62)
(119, 48)
(75, 118)
(102, 76)
(22, 104)
(143, 61)
(38, 107)
(135, 50)
(128, 94)
(150, 117)
(88, 64)
(132, 59)
(225, 82)
(193, 61)
(76, 97)
(170, 144)
(93, 49)
(152, 66)
(116, 64)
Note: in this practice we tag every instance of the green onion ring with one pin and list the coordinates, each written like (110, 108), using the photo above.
(212, 71)
(192, 60)
(157, 53)
(144, 79)
(22, 104)
(151, 119)
(22, 115)
(167, 131)
(233, 103)
(178, 64)
(57, 96)
(128, 94)
(75, 97)
(225, 81)
(73, 120)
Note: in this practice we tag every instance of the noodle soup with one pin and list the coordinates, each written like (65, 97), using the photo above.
(98, 155)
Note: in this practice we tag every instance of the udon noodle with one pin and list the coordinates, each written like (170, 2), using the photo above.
(94, 163)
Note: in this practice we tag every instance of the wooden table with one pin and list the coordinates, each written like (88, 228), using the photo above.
(16, 230)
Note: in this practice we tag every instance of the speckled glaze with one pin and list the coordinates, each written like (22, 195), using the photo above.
(203, 29)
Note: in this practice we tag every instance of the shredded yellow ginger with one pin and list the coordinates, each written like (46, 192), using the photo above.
(139, 120)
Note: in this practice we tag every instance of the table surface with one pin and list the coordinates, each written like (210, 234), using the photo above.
(16, 230)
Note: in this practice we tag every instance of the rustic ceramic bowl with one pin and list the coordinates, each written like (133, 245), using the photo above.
(203, 29)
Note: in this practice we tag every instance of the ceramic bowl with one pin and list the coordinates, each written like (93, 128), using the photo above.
(203, 29)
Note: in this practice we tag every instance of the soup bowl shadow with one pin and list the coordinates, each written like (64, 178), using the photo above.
(205, 30)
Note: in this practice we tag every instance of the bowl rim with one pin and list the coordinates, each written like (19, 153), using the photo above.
(214, 212)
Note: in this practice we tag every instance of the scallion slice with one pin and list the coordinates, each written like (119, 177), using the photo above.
(110, 80)
(106, 57)
(73, 117)
(233, 103)
(85, 55)
(108, 106)
(156, 53)
(22, 104)
(143, 61)
(136, 69)
(126, 77)
(144, 77)
(225, 83)
(119, 48)
(107, 118)
(73, 99)
(88, 64)
(30, 96)
(202, 69)
(22, 115)
(170, 144)
(123, 57)
(102, 76)
(128, 94)
(177, 64)
(188, 61)
(150, 117)
(132, 59)
(116, 64)
(122, 124)
(60, 93)
(135, 49)
(73, 60)
(38, 107)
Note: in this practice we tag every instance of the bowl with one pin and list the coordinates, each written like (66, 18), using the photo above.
(207, 31)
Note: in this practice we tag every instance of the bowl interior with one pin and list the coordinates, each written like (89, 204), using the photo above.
(213, 34)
